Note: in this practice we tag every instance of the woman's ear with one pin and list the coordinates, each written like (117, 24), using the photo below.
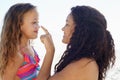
(21, 25)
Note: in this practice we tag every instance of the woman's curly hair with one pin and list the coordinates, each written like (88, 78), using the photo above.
(91, 39)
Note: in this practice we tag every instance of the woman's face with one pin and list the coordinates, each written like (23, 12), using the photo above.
(68, 29)
(30, 26)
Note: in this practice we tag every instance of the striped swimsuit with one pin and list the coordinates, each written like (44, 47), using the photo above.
(30, 68)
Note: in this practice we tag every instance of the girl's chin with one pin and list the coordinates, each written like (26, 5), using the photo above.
(34, 37)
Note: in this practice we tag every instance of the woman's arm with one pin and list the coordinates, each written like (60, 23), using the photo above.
(84, 69)
(45, 70)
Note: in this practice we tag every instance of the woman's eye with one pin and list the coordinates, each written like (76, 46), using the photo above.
(66, 25)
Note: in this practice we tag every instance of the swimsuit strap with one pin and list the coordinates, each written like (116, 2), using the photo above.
(29, 69)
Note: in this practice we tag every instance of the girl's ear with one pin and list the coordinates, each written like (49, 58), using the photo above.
(21, 25)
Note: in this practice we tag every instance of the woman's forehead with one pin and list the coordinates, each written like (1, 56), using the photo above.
(70, 18)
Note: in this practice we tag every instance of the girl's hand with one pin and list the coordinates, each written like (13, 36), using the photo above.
(46, 39)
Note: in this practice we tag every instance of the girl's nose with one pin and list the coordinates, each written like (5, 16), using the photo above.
(38, 26)
(63, 28)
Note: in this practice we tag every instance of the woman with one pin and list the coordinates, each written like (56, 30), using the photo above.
(90, 50)
(18, 59)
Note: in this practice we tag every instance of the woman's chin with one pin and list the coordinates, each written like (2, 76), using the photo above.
(65, 42)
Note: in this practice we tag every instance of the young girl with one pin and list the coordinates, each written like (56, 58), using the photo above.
(18, 60)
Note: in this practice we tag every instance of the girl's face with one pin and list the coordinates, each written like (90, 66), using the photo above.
(68, 29)
(30, 26)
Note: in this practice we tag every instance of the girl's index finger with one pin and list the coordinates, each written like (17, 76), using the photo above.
(45, 30)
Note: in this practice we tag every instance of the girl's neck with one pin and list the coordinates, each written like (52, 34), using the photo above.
(24, 43)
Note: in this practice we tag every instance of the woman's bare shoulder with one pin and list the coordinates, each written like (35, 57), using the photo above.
(83, 69)
(87, 69)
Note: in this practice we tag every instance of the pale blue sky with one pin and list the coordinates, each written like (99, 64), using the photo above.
(53, 13)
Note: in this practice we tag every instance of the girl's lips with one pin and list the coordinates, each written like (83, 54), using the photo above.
(36, 31)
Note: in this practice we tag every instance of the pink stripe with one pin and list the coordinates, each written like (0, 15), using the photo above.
(25, 68)
(25, 74)
(29, 70)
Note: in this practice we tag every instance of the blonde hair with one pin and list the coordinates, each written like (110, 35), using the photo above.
(11, 34)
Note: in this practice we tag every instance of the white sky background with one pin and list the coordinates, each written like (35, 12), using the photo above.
(53, 13)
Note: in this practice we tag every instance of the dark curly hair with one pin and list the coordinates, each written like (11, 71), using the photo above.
(90, 39)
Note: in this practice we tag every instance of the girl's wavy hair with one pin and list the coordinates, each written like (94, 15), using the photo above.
(11, 33)
(90, 39)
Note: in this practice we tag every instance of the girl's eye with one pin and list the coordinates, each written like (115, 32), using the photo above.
(34, 22)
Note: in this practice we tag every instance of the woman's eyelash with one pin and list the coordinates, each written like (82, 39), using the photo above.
(66, 24)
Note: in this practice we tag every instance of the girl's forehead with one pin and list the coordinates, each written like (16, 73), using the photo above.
(32, 14)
